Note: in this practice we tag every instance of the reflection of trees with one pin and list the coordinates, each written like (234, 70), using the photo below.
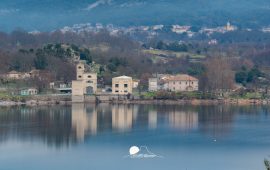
(52, 126)
(216, 120)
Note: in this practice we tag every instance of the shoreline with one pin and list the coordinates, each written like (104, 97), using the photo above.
(195, 102)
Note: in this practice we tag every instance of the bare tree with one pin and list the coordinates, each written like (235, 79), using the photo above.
(219, 75)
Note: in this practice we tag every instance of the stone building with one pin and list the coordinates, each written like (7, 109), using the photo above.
(122, 85)
(86, 83)
(180, 82)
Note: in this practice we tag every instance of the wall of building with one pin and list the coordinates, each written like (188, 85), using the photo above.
(153, 84)
(122, 86)
(182, 85)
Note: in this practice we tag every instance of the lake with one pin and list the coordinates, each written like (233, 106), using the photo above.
(98, 137)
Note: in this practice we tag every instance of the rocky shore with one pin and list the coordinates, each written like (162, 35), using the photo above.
(66, 100)
(197, 102)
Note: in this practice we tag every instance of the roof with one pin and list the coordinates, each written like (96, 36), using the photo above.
(13, 72)
(30, 88)
(180, 77)
(123, 77)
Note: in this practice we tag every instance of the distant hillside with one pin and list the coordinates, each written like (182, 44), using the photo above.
(52, 14)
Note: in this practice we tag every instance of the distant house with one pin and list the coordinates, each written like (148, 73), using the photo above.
(178, 83)
(29, 92)
(181, 82)
(21, 75)
(155, 83)
(15, 75)
(135, 83)
(122, 85)
(61, 86)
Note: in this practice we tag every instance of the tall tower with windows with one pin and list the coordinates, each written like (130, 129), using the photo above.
(86, 83)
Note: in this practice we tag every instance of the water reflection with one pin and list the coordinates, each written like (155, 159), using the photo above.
(65, 125)
(183, 120)
(84, 120)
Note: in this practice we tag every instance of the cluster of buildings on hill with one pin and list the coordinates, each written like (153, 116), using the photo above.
(26, 91)
(150, 30)
(15, 75)
(227, 28)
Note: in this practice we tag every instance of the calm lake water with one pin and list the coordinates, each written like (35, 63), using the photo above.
(88, 137)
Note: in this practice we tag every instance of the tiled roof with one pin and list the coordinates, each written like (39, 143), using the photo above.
(180, 77)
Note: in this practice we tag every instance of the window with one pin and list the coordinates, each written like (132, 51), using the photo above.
(186, 82)
(89, 76)
(125, 85)
(89, 81)
(79, 67)
(79, 76)
(191, 82)
(116, 91)
(125, 91)
(116, 85)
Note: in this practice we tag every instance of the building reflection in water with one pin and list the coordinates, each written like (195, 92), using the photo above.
(63, 125)
(123, 117)
(183, 120)
(84, 120)
(152, 119)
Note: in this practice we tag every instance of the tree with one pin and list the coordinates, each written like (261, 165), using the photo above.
(85, 55)
(219, 74)
(241, 77)
(40, 62)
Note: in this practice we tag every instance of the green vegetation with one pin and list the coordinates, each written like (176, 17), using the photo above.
(166, 95)
(245, 76)
(4, 96)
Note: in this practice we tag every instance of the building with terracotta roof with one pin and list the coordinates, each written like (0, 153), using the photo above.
(177, 83)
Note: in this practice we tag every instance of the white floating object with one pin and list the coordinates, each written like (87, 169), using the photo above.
(133, 150)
